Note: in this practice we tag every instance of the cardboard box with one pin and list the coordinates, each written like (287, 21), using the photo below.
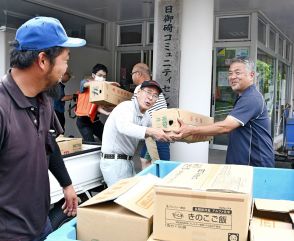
(151, 238)
(122, 212)
(69, 145)
(272, 220)
(103, 93)
(206, 202)
(168, 120)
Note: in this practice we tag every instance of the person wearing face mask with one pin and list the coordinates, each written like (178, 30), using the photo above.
(89, 125)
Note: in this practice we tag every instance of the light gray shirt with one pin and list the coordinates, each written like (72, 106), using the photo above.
(124, 128)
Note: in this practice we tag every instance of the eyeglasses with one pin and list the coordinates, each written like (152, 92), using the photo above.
(134, 72)
(150, 94)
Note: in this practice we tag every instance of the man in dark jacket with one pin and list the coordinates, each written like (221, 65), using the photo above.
(38, 61)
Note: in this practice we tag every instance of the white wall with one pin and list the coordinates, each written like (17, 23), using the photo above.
(196, 43)
(2, 56)
(196, 67)
(5, 38)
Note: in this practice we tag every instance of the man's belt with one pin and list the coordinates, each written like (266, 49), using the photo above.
(117, 156)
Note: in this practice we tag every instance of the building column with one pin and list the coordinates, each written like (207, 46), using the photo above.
(2, 56)
(6, 35)
(196, 44)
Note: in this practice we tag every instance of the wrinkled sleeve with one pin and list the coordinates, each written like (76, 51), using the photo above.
(3, 124)
(56, 163)
(246, 108)
(125, 123)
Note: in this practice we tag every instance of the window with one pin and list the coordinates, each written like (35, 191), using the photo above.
(288, 50)
(265, 67)
(261, 32)
(130, 34)
(272, 40)
(281, 44)
(95, 34)
(150, 33)
(233, 28)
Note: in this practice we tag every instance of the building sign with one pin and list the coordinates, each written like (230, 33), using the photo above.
(168, 50)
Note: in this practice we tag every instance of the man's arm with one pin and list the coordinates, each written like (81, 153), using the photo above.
(101, 110)
(125, 125)
(217, 128)
(67, 97)
(58, 169)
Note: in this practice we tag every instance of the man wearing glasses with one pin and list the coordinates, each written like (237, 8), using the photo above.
(127, 124)
(158, 150)
(248, 124)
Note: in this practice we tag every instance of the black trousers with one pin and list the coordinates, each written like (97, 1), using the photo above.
(61, 118)
(88, 129)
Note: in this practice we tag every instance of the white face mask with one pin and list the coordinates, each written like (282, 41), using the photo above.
(99, 78)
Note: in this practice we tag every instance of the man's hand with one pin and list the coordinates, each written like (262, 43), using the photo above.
(101, 110)
(71, 201)
(158, 134)
(114, 83)
(184, 131)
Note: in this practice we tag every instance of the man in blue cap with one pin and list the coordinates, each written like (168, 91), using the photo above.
(38, 61)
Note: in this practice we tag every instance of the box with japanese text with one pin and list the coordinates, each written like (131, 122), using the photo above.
(69, 145)
(168, 120)
(204, 202)
(103, 93)
(272, 220)
(123, 211)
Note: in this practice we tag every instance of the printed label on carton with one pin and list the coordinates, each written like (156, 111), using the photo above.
(199, 217)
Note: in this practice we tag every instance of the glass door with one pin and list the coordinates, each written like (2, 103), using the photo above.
(126, 61)
(265, 67)
(224, 97)
(280, 98)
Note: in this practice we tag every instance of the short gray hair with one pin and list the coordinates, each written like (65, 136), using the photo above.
(249, 63)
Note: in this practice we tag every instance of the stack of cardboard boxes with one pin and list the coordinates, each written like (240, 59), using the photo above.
(194, 202)
(272, 220)
(204, 202)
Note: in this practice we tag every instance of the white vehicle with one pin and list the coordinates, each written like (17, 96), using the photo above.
(83, 168)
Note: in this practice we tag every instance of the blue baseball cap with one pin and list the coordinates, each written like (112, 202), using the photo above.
(44, 32)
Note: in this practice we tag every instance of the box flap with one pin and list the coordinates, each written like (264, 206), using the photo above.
(257, 222)
(292, 216)
(269, 234)
(113, 192)
(211, 177)
(140, 198)
(270, 205)
(62, 138)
